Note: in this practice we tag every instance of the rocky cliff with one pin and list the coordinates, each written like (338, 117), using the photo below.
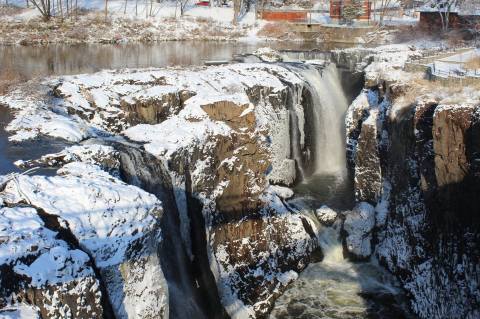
(209, 143)
(413, 149)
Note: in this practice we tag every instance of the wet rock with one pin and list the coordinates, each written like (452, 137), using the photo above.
(368, 175)
(358, 226)
(326, 215)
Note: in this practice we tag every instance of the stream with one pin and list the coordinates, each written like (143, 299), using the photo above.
(335, 287)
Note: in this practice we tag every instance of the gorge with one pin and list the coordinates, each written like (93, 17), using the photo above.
(247, 190)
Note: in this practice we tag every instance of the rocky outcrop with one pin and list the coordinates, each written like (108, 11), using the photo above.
(326, 215)
(420, 173)
(112, 230)
(222, 135)
(39, 268)
(450, 127)
(368, 175)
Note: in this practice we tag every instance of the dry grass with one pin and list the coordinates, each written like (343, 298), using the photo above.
(203, 20)
(275, 30)
(418, 87)
(473, 64)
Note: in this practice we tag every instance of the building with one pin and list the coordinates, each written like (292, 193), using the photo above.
(336, 9)
(464, 15)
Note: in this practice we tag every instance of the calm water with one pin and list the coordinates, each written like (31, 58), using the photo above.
(30, 61)
(333, 190)
(11, 152)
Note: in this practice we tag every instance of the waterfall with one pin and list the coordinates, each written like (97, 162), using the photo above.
(329, 107)
(339, 288)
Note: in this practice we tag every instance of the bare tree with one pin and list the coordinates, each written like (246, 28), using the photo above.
(106, 10)
(444, 8)
(385, 5)
(182, 4)
(45, 8)
(237, 5)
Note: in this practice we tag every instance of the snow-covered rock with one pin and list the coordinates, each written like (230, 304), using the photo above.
(114, 224)
(41, 268)
(222, 133)
(20, 311)
(326, 215)
(104, 156)
(425, 182)
(358, 225)
(268, 55)
(109, 102)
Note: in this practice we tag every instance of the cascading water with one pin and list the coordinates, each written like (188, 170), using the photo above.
(338, 288)
(334, 287)
(321, 159)
(329, 107)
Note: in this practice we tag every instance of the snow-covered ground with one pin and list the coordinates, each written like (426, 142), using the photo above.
(455, 65)
(143, 22)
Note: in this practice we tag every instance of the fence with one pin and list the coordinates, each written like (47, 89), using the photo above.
(298, 16)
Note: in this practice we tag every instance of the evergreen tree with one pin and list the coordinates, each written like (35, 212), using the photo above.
(352, 10)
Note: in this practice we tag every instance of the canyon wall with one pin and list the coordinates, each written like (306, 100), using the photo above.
(416, 160)
(210, 144)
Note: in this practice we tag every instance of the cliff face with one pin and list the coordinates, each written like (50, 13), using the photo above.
(206, 142)
(417, 162)
(87, 241)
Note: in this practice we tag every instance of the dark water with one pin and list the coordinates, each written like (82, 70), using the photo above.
(335, 191)
(32, 61)
(11, 152)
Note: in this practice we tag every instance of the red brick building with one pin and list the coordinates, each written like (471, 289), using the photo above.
(336, 8)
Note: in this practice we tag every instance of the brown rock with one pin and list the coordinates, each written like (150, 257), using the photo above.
(368, 175)
(450, 125)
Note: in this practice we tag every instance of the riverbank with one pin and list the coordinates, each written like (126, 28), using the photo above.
(25, 26)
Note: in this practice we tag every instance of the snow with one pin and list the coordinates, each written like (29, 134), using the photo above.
(33, 117)
(161, 11)
(105, 214)
(19, 311)
(454, 65)
(326, 215)
(25, 235)
(280, 191)
(102, 155)
(175, 133)
(268, 54)
(57, 265)
(358, 225)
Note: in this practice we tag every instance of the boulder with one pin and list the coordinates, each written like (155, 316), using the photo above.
(41, 269)
(358, 227)
(326, 215)
(450, 125)
(113, 227)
